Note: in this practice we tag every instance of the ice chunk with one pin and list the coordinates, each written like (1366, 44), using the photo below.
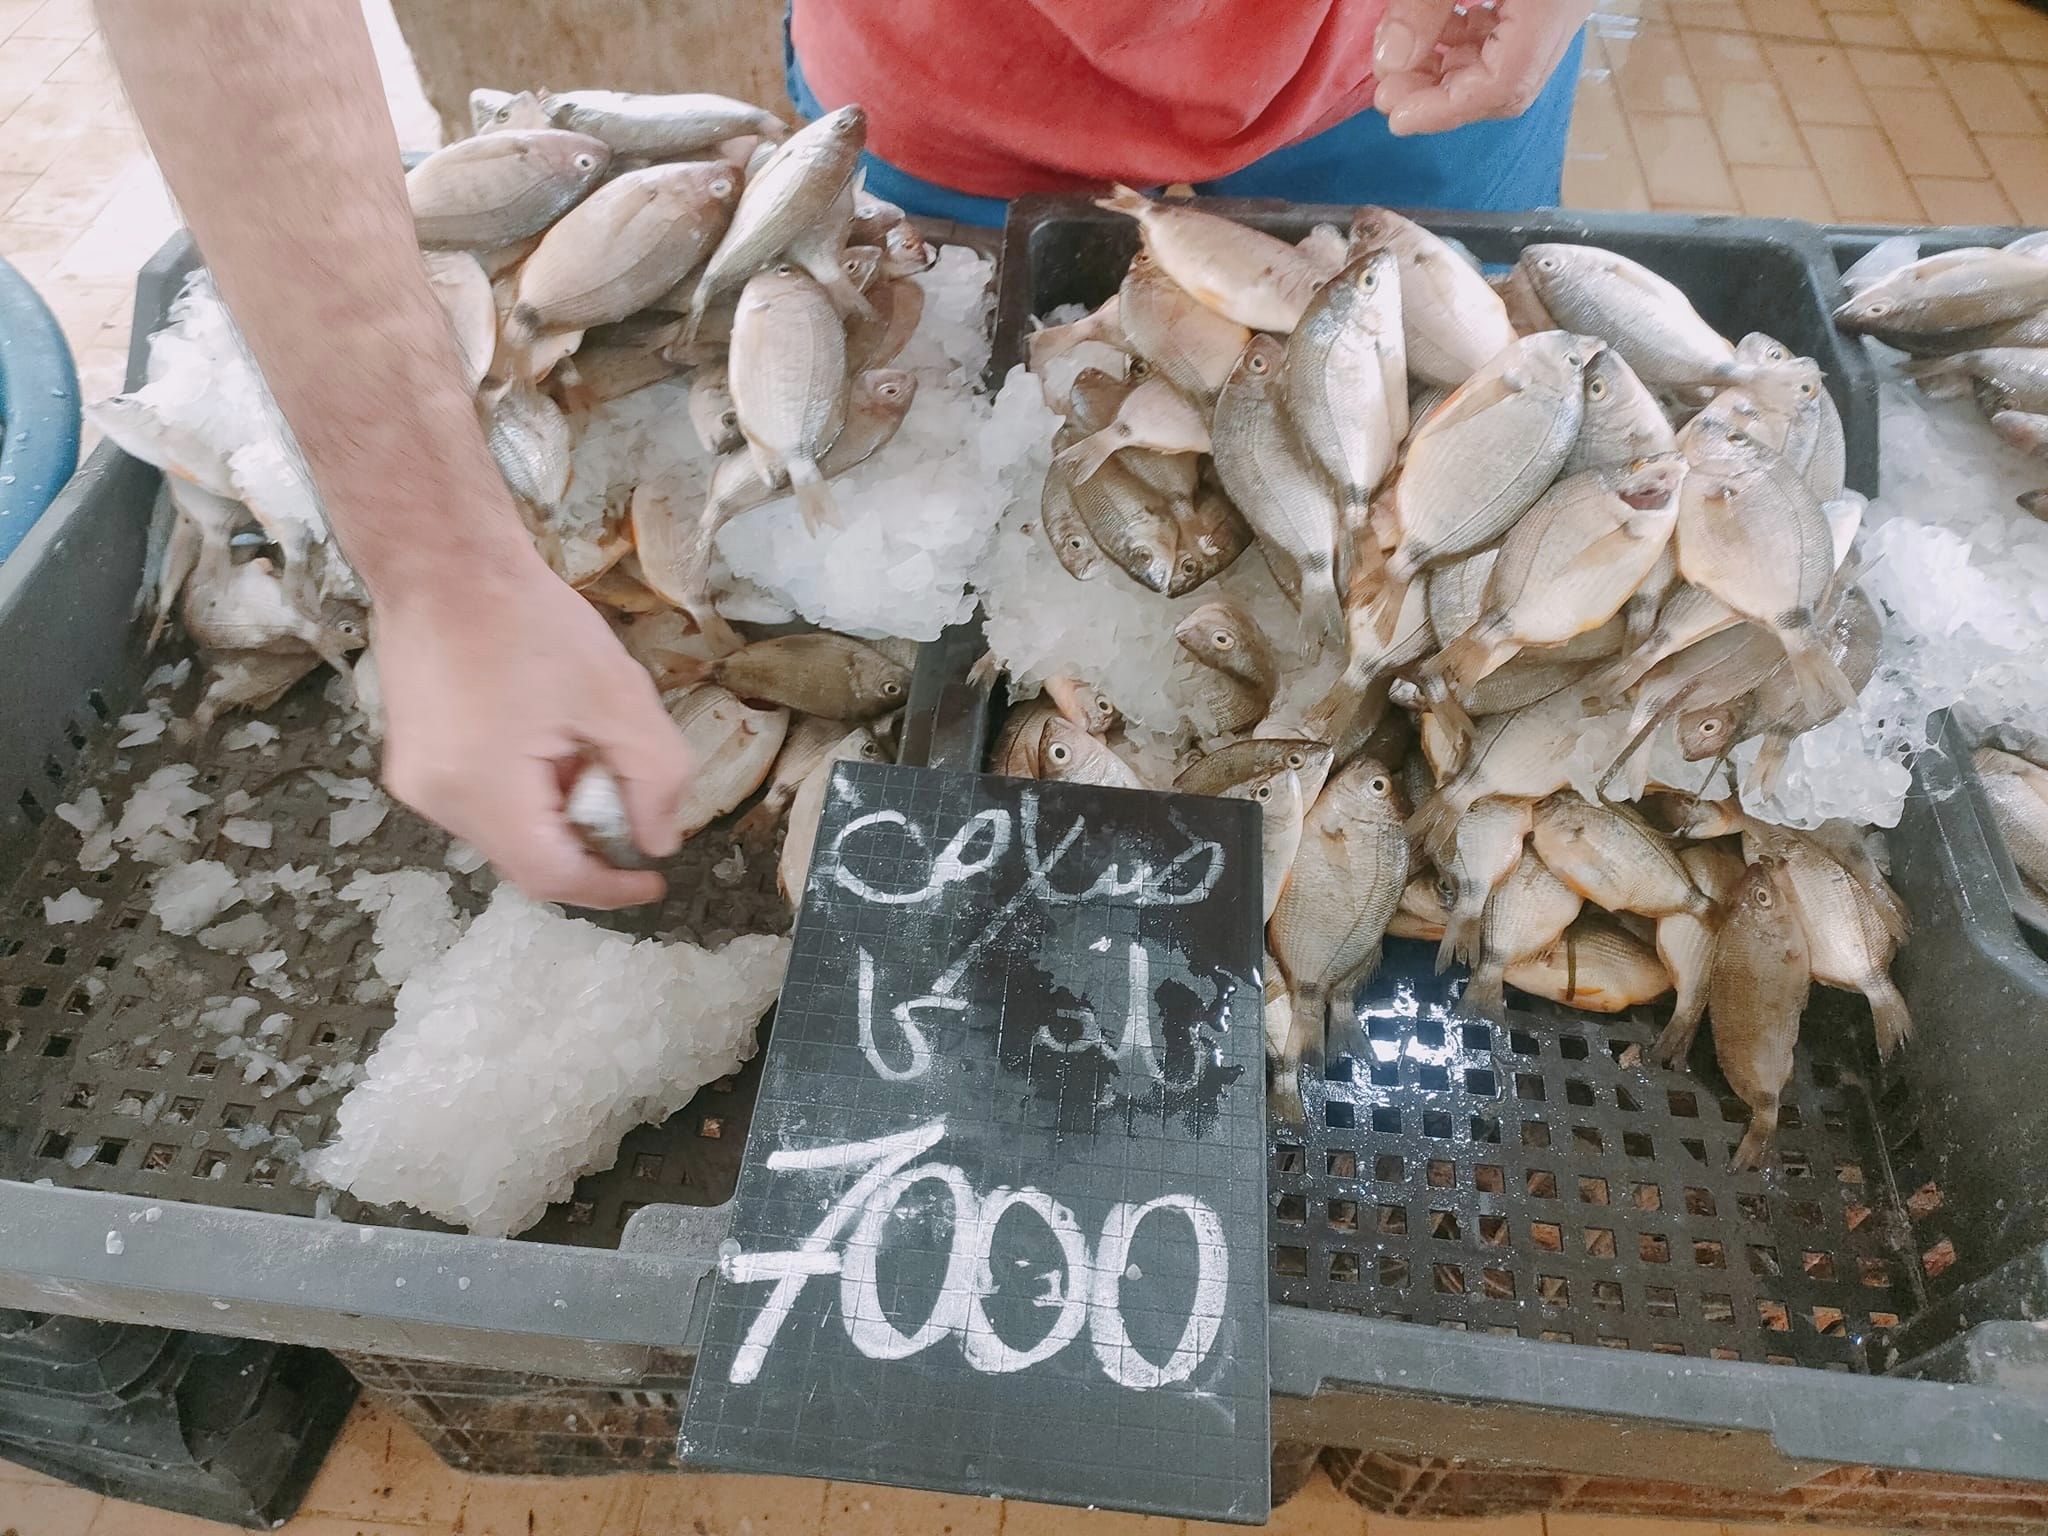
(171, 674)
(249, 1136)
(97, 851)
(189, 896)
(356, 820)
(521, 1056)
(156, 822)
(145, 725)
(85, 815)
(74, 906)
(237, 802)
(294, 880)
(462, 858)
(250, 834)
(250, 733)
(274, 1024)
(238, 935)
(268, 961)
(415, 919)
(228, 1015)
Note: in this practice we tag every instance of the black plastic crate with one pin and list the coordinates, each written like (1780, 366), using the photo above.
(1544, 1191)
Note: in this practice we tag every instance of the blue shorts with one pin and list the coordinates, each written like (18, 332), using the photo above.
(1505, 166)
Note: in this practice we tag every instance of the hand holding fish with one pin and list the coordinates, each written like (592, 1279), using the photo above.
(1442, 67)
(491, 701)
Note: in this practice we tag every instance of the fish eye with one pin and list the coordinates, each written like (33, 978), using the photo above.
(729, 418)
(1764, 898)
(1223, 639)
(1710, 726)
(890, 391)
(1808, 389)
(721, 186)
(1878, 307)
(503, 114)
(1188, 565)
(784, 269)
(586, 162)
(1257, 363)
(1297, 760)
(1597, 390)
(1548, 263)
(1573, 360)
(1379, 784)
(891, 689)
(1059, 752)
(1075, 541)
(1263, 793)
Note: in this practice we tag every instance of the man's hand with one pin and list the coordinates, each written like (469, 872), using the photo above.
(1441, 68)
(492, 695)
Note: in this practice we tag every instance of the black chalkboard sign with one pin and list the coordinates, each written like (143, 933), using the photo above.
(1001, 1225)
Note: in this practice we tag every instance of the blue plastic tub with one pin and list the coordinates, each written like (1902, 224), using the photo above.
(39, 412)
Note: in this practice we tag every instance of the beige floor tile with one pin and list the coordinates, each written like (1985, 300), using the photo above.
(53, 1509)
(14, 12)
(1820, 87)
(1881, 68)
(1862, 178)
(712, 1504)
(1651, 72)
(1054, 1520)
(1991, 97)
(335, 1525)
(1950, 201)
(54, 121)
(29, 60)
(34, 248)
(1871, 31)
(1782, 192)
(380, 1470)
(127, 231)
(1605, 181)
(1753, 124)
(1786, 18)
(1723, 15)
(2020, 162)
(1718, 56)
(1878, 7)
(15, 1472)
(2023, 34)
(1681, 165)
(1943, 26)
(87, 64)
(1926, 134)
(12, 185)
(117, 1518)
(62, 195)
(1318, 1510)
(1599, 124)
(858, 1509)
(1507, 1525)
(71, 19)
(549, 1506)
(1610, 1525)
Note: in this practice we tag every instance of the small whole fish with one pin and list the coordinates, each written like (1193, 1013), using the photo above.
(1244, 275)
(621, 248)
(1483, 458)
(1236, 674)
(814, 674)
(529, 437)
(1613, 858)
(1212, 534)
(1941, 302)
(1154, 415)
(809, 741)
(659, 127)
(597, 374)
(464, 294)
(878, 338)
(1187, 343)
(483, 193)
(1527, 913)
(1596, 965)
(2003, 378)
(789, 383)
(1485, 847)
(1423, 913)
(807, 809)
(877, 402)
(1524, 755)
(506, 111)
(2011, 787)
(732, 746)
(821, 252)
(1454, 324)
(1623, 421)
(1065, 531)
(1094, 396)
(797, 186)
(1283, 1088)
(712, 412)
(1645, 318)
(1278, 796)
(1218, 772)
(1685, 943)
(1129, 525)
(1756, 992)
(1370, 660)
(1347, 879)
(1069, 755)
(1083, 703)
(1269, 475)
(1047, 344)
(2025, 430)
(1347, 376)
(674, 536)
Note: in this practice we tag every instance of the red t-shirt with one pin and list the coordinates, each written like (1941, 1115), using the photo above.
(1003, 97)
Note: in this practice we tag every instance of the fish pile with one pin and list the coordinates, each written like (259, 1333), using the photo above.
(676, 315)
(1526, 554)
(2015, 788)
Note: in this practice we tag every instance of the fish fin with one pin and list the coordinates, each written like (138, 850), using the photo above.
(1486, 993)
(1321, 611)
(1822, 686)
(713, 626)
(1387, 604)
(694, 322)
(1641, 609)
(689, 671)
(1675, 1043)
(1756, 1141)
(522, 325)
(1770, 761)
(1606, 548)
(846, 298)
(1473, 398)
(984, 671)
(1888, 1014)
(760, 821)
(1460, 941)
(1090, 454)
(813, 496)
(1455, 723)
(1123, 199)
(1942, 378)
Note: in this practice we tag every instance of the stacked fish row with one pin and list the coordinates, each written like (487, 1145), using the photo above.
(1516, 509)
(585, 246)
(1976, 321)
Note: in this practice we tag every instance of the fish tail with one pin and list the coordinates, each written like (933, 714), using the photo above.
(688, 671)
(1456, 723)
(1461, 937)
(1699, 904)
(1940, 377)
(846, 298)
(1123, 199)
(1756, 1141)
(1321, 611)
(813, 496)
(699, 302)
(522, 325)
(1675, 1043)
(1387, 604)
(1770, 761)
(1090, 454)
(1888, 1014)
(1822, 686)
(712, 625)
(1486, 993)
(761, 820)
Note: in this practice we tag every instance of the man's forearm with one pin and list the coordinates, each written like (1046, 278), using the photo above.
(269, 124)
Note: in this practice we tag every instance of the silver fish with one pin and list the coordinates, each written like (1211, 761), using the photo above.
(1244, 275)
(809, 741)
(1069, 755)
(1641, 315)
(1065, 529)
(1756, 993)
(814, 674)
(1153, 415)
(1454, 324)
(1485, 848)
(482, 193)
(1347, 376)
(789, 383)
(1685, 943)
(1278, 796)
(464, 294)
(1622, 422)
(1596, 965)
(1189, 344)
(712, 412)
(659, 127)
(1613, 858)
(674, 537)
(878, 339)
(732, 745)
(1528, 912)
(807, 809)
(505, 111)
(1236, 672)
(1943, 302)
(1242, 761)
(877, 402)
(529, 437)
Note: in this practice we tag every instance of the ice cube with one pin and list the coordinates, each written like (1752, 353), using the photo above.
(74, 906)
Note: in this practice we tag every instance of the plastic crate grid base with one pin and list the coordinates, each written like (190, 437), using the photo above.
(1544, 1179)
(516, 1423)
(109, 1084)
(1427, 1488)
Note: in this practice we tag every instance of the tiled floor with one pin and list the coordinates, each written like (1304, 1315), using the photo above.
(1886, 110)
